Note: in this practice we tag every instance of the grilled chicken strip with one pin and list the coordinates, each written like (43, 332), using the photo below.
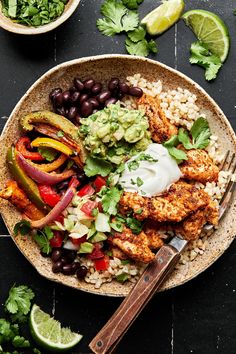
(191, 227)
(134, 246)
(199, 166)
(160, 127)
(174, 205)
(16, 196)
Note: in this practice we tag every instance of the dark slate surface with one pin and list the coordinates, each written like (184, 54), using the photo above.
(198, 317)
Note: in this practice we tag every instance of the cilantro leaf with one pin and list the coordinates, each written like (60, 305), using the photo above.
(173, 141)
(137, 35)
(20, 342)
(132, 4)
(201, 55)
(43, 242)
(110, 199)
(117, 18)
(22, 227)
(134, 225)
(183, 137)
(199, 125)
(141, 47)
(48, 153)
(178, 154)
(96, 166)
(19, 300)
(152, 46)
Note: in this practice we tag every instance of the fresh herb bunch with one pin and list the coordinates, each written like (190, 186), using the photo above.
(120, 17)
(201, 55)
(33, 12)
(17, 308)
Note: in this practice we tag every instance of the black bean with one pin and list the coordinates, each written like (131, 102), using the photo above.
(78, 84)
(82, 178)
(86, 109)
(63, 260)
(74, 98)
(57, 267)
(119, 95)
(58, 100)
(54, 92)
(103, 96)
(75, 265)
(97, 88)
(67, 269)
(71, 255)
(111, 100)
(88, 84)
(81, 272)
(135, 91)
(124, 88)
(94, 102)
(113, 84)
(56, 254)
(72, 89)
(61, 111)
(72, 112)
(63, 185)
(83, 98)
(66, 96)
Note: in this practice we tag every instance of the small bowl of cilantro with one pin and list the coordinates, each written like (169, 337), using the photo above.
(35, 16)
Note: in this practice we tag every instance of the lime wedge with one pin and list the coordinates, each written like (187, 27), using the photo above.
(163, 17)
(209, 29)
(48, 333)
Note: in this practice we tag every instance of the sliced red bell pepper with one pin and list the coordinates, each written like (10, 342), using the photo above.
(97, 252)
(78, 241)
(57, 240)
(49, 195)
(23, 144)
(99, 183)
(102, 264)
(88, 207)
(86, 190)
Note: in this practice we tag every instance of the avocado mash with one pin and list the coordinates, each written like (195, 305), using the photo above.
(115, 133)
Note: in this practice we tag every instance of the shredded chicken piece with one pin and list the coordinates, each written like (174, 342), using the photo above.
(160, 127)
(16, 196)
(172, 206)
(199, 166)
(134, 246)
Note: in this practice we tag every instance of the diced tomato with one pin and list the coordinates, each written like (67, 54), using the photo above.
(102, 264)
(60, 218)
(78, 241)
(74, 182)
(97, 252)
(88, 207)
(86, 190)
(57, 240)
(49, 195)
(23, 146)
(99, 183)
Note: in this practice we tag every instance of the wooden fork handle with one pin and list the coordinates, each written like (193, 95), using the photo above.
(108, 337)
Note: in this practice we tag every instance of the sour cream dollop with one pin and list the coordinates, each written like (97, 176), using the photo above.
(150, 172)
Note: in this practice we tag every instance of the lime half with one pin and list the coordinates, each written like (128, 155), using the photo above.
(49, 334)
(163, 17)
(209, 29)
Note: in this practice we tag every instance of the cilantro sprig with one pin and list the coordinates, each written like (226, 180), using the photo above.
(120, 17)
(42, 238)
(201, 55)
(110, 197)
(199, 138)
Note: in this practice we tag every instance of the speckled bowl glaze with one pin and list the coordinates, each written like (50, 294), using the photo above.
(14, 27)
(102, 68)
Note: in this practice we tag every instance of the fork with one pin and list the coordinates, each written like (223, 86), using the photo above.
(153, 277)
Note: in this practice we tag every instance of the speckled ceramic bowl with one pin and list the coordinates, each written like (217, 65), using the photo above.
(14, 27)
(102, 68)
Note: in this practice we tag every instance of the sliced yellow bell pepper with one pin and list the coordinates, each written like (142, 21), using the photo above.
(54, 144)
(51, 166)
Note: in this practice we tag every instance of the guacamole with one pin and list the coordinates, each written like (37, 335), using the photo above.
(115, 133)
